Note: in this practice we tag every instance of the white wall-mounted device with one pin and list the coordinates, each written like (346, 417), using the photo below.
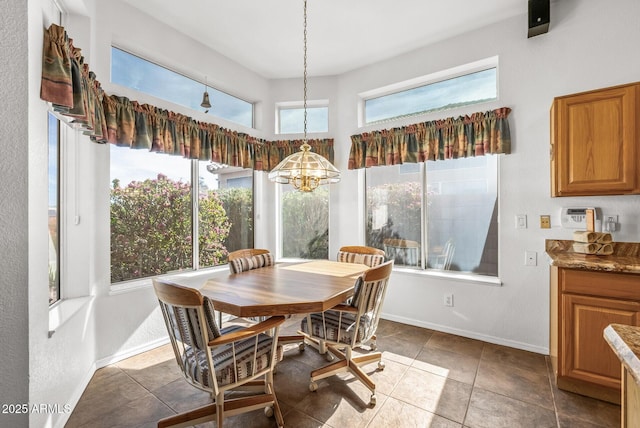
(575, 217)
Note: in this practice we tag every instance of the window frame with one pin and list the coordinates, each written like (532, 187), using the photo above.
(425, 80)
(195, 80)
(58, 203)
(443, 75)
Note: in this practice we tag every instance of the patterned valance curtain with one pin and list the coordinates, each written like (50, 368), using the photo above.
(465, 136)
(74, 91)
(280, 149)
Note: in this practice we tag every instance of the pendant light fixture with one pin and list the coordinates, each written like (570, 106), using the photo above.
(205, 97)
(305, 170)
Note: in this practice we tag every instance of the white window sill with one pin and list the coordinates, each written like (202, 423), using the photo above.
(64, 310)
(191, 278)
(452, 276)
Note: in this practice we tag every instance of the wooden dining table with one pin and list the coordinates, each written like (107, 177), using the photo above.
(284, 288)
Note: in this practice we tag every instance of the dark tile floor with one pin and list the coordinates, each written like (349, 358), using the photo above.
(431, 379)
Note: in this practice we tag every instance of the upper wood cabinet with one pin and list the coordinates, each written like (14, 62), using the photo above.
(594, 142)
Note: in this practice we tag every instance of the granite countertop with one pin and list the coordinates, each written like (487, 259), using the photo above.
(625, 342)
(625, 257)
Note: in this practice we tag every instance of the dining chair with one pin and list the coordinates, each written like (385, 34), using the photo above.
(339, 330)
(255, 258)
(219, 361)
(247, 259)
(360, 254)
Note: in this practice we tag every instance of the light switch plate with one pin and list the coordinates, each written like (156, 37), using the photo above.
(521, 221)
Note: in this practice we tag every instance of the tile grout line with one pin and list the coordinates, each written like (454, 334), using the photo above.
(547, 363)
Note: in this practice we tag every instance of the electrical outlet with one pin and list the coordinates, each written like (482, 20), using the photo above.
(530, 258)
(448, 299)
(545, 222)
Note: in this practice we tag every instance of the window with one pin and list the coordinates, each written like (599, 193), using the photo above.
(153, 220)
(470, 84)
(304, 221)
(290, 117)
(144, 76)
(459, 205)
(161, 203)
(438, 214)
(225, 210)
(54, 207)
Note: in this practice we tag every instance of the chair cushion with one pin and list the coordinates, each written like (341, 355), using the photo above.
(337, 329)
(370, 260)
(242, 264)
(226, 371)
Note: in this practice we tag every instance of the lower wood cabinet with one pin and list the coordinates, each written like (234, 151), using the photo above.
(583, 304)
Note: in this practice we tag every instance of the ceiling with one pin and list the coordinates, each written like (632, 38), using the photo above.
(266, 35)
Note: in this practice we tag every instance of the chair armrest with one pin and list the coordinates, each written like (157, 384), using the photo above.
(345, 308)
(250, 331)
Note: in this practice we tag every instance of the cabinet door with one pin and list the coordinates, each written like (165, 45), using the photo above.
(587, 356)
(594, 140)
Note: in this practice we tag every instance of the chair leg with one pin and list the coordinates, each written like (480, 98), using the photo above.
(220, 408)
(347, 362)
(197, 416)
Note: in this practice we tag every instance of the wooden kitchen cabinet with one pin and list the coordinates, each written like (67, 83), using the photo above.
(583, 304)
(594, 142)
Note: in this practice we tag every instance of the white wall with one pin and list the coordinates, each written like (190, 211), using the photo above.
(587, 47)
(14, 337)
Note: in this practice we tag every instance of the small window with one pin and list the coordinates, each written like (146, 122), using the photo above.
(304, 221)
(290, 119)
(441, 93)
(54, 208)
(145, 76)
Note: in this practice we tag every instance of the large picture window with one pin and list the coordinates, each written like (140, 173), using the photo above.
(153, 220)
(438, 215)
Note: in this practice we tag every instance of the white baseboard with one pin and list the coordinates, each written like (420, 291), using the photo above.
(75, 396)
(469, 334)
(103, 362)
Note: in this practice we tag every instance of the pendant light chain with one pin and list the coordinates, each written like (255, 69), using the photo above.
(305, 72)
(305, 170)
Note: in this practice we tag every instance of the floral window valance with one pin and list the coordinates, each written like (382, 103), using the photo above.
(465, 136)
(75, 92)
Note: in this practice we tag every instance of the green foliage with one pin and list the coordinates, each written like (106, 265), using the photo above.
(402, 202)
(213, 228)
(238, 204)
(305, 217)
(151, 231)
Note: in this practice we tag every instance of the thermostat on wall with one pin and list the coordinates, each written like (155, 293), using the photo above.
(575, 218)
